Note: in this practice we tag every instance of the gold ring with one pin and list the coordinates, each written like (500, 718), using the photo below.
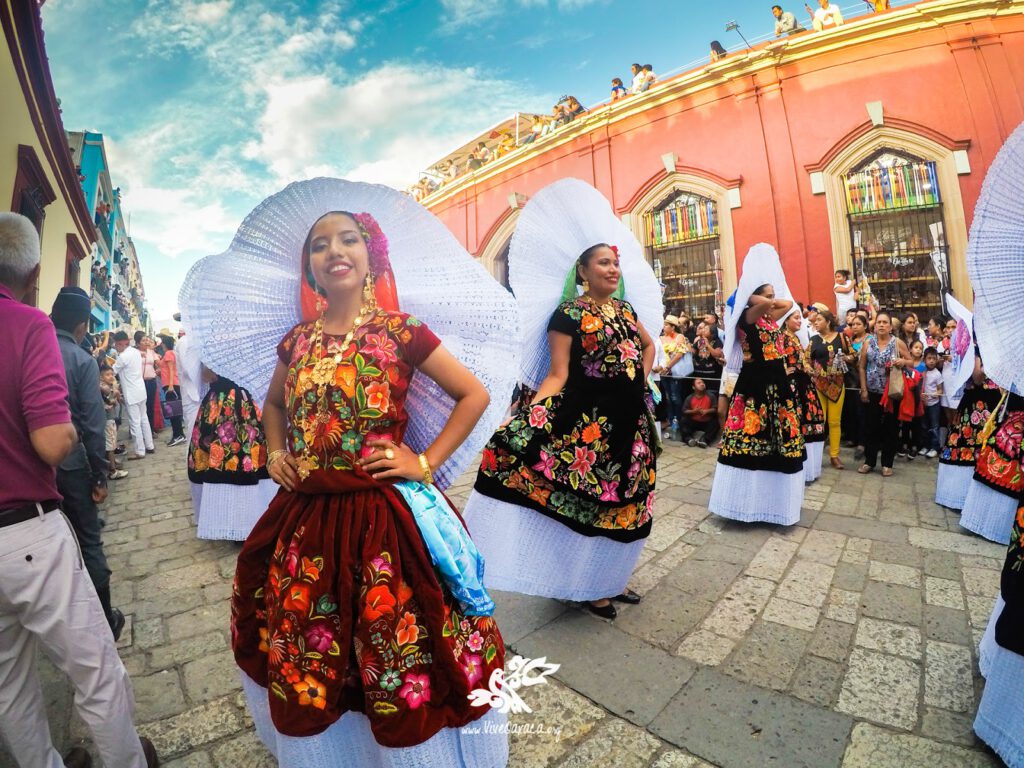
(389, 454)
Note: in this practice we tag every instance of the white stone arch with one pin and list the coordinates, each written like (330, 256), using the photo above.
(494, 255)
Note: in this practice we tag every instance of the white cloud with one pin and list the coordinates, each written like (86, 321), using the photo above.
(462, 13)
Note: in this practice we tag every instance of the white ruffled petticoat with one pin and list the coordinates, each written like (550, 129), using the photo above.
(756, 496)
(988, 513)
(230, 511)
(812, 464)
(951, 482)
(527, 552)
(1000, 719)
(349, 742)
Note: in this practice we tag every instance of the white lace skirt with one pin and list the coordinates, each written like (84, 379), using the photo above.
(349, 742)
(756, 496)
(988, 513)
(1000, 719)
(951, 483)
(812, 464)
(527, 552)
(230, 511)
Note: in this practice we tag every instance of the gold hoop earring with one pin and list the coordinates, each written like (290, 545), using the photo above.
(369, 299)
(586, 286)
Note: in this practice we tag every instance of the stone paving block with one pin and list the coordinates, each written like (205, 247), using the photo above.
(737, 725)
(948, 677)
(832, 640)
(674, 555)
(189, 649)
(559, 720)
(197, 621)
(873, 747)
(211, 676)
(979, 610)
(953, 727)
(822, 547)
(191, 760)
(959, 543)
(616, 743)
(817, 681)
(194, 728)
(981, 581)
(748, 536)
(881, 688)
(855, 544)
(807, 582)
(946, 624)
(677, 758)
(864, 529)
(842, 605)
(664, 616)
(941, 564)
(245, 749)
(705, 647)
(891, 601)
(772, 559)
(621, 673)
(891, 573)
(978, 561)
(854, 558)
(851, 576)
(769, 656)
(706, 579)
(737, 611)
(943, 592)
(519, 615)
(791, 614)
(896, 552)
(664, 533)
(721, 553)
(158, 696)
(889, 637)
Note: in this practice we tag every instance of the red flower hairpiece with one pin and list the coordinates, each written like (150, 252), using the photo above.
(376, 243)
(615, 249)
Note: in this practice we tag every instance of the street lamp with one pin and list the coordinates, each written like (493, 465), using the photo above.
(732, 26)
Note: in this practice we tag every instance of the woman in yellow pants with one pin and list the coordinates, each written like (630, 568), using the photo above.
(829, 355)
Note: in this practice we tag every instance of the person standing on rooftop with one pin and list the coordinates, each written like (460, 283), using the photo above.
(785, 22)
(826, 17)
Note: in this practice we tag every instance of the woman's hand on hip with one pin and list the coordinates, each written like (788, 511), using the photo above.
(285, 472)
(389, 461)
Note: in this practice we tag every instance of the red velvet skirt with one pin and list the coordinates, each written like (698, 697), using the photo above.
(337, 607)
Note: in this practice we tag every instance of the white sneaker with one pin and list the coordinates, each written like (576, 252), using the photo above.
(932, 453)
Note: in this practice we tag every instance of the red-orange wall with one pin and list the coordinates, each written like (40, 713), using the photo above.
(960, 81)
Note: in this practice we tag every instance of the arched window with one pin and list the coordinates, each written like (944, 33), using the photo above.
(683, 243)
(898, 235)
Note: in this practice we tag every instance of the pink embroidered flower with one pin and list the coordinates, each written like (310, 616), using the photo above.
(538, 416)
(546, 465)
(301, 347)
(583, 462)
(639, 448)
(609, 492)
(473, 666)
(367, 449)
(464, 625)
(382, 347)
(416, 690)
(475, 641)
(291, 560)
(319, 638)
(628, 350)
(376, 243)
(380, 565)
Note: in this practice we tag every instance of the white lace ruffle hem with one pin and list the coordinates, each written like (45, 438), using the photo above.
(988, 513)
(756, 496)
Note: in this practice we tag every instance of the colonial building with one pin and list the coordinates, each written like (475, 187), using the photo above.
(37, 174)
(860, 148)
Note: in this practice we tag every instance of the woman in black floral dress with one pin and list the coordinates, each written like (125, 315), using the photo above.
(562, 501)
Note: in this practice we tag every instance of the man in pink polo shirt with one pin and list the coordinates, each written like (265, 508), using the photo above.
(46, 596)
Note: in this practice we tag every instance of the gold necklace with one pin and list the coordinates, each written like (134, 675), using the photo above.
(324, 371)
(607, 309)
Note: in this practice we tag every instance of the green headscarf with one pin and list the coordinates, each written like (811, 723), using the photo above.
(569, 287)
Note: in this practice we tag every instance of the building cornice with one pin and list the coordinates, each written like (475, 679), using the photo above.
(746, 74)
(23, 31)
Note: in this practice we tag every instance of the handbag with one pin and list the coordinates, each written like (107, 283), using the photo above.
(895, 389)
(172, 405)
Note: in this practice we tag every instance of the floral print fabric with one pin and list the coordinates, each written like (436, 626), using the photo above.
(812, 414)
(999, 457)
(228, 445)
(1009, 633)
(585, 456)
(763, 426)
(965, 432)
(336, 605)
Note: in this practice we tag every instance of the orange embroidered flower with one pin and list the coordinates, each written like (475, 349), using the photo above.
(345, 378)
(216, 456)
(311, 692)
(540, 495)
(379, 601)
(231, 465)
(591, 432)
(1020, 516)
(404, 593)
(751, 423)
(407, 631)
(256, 453)
(590, 324)
(378, 395)
(296, 598)
(310, 569)
(201, 460)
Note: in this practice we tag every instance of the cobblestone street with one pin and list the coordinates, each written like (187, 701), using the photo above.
(848, 640)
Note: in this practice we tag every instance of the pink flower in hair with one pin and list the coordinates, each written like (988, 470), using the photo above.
(376, 243)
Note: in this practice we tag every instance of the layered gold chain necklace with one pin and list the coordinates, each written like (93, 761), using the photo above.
(324, 371)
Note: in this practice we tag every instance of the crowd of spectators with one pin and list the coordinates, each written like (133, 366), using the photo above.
(823, 18)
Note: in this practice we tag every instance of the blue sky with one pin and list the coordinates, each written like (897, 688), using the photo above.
(209, 106)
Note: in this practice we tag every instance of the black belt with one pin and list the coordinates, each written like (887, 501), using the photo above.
(21, 514)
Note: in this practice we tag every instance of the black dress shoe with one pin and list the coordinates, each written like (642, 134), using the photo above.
(77, 758)
(604, 611)
(628, 596)
(152, 759)
(116, 622)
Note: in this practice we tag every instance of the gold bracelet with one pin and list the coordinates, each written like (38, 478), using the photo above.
(428, 476)
(275, 455)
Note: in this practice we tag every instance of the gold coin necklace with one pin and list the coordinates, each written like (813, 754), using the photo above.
(608, 310)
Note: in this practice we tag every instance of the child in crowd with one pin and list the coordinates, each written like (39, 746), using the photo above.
(618, 90)
(909, 409)
(111, 394)
(931, 399)
(846, 296)
(700, 416)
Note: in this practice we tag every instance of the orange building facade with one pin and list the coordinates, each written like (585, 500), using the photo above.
(862, 148)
